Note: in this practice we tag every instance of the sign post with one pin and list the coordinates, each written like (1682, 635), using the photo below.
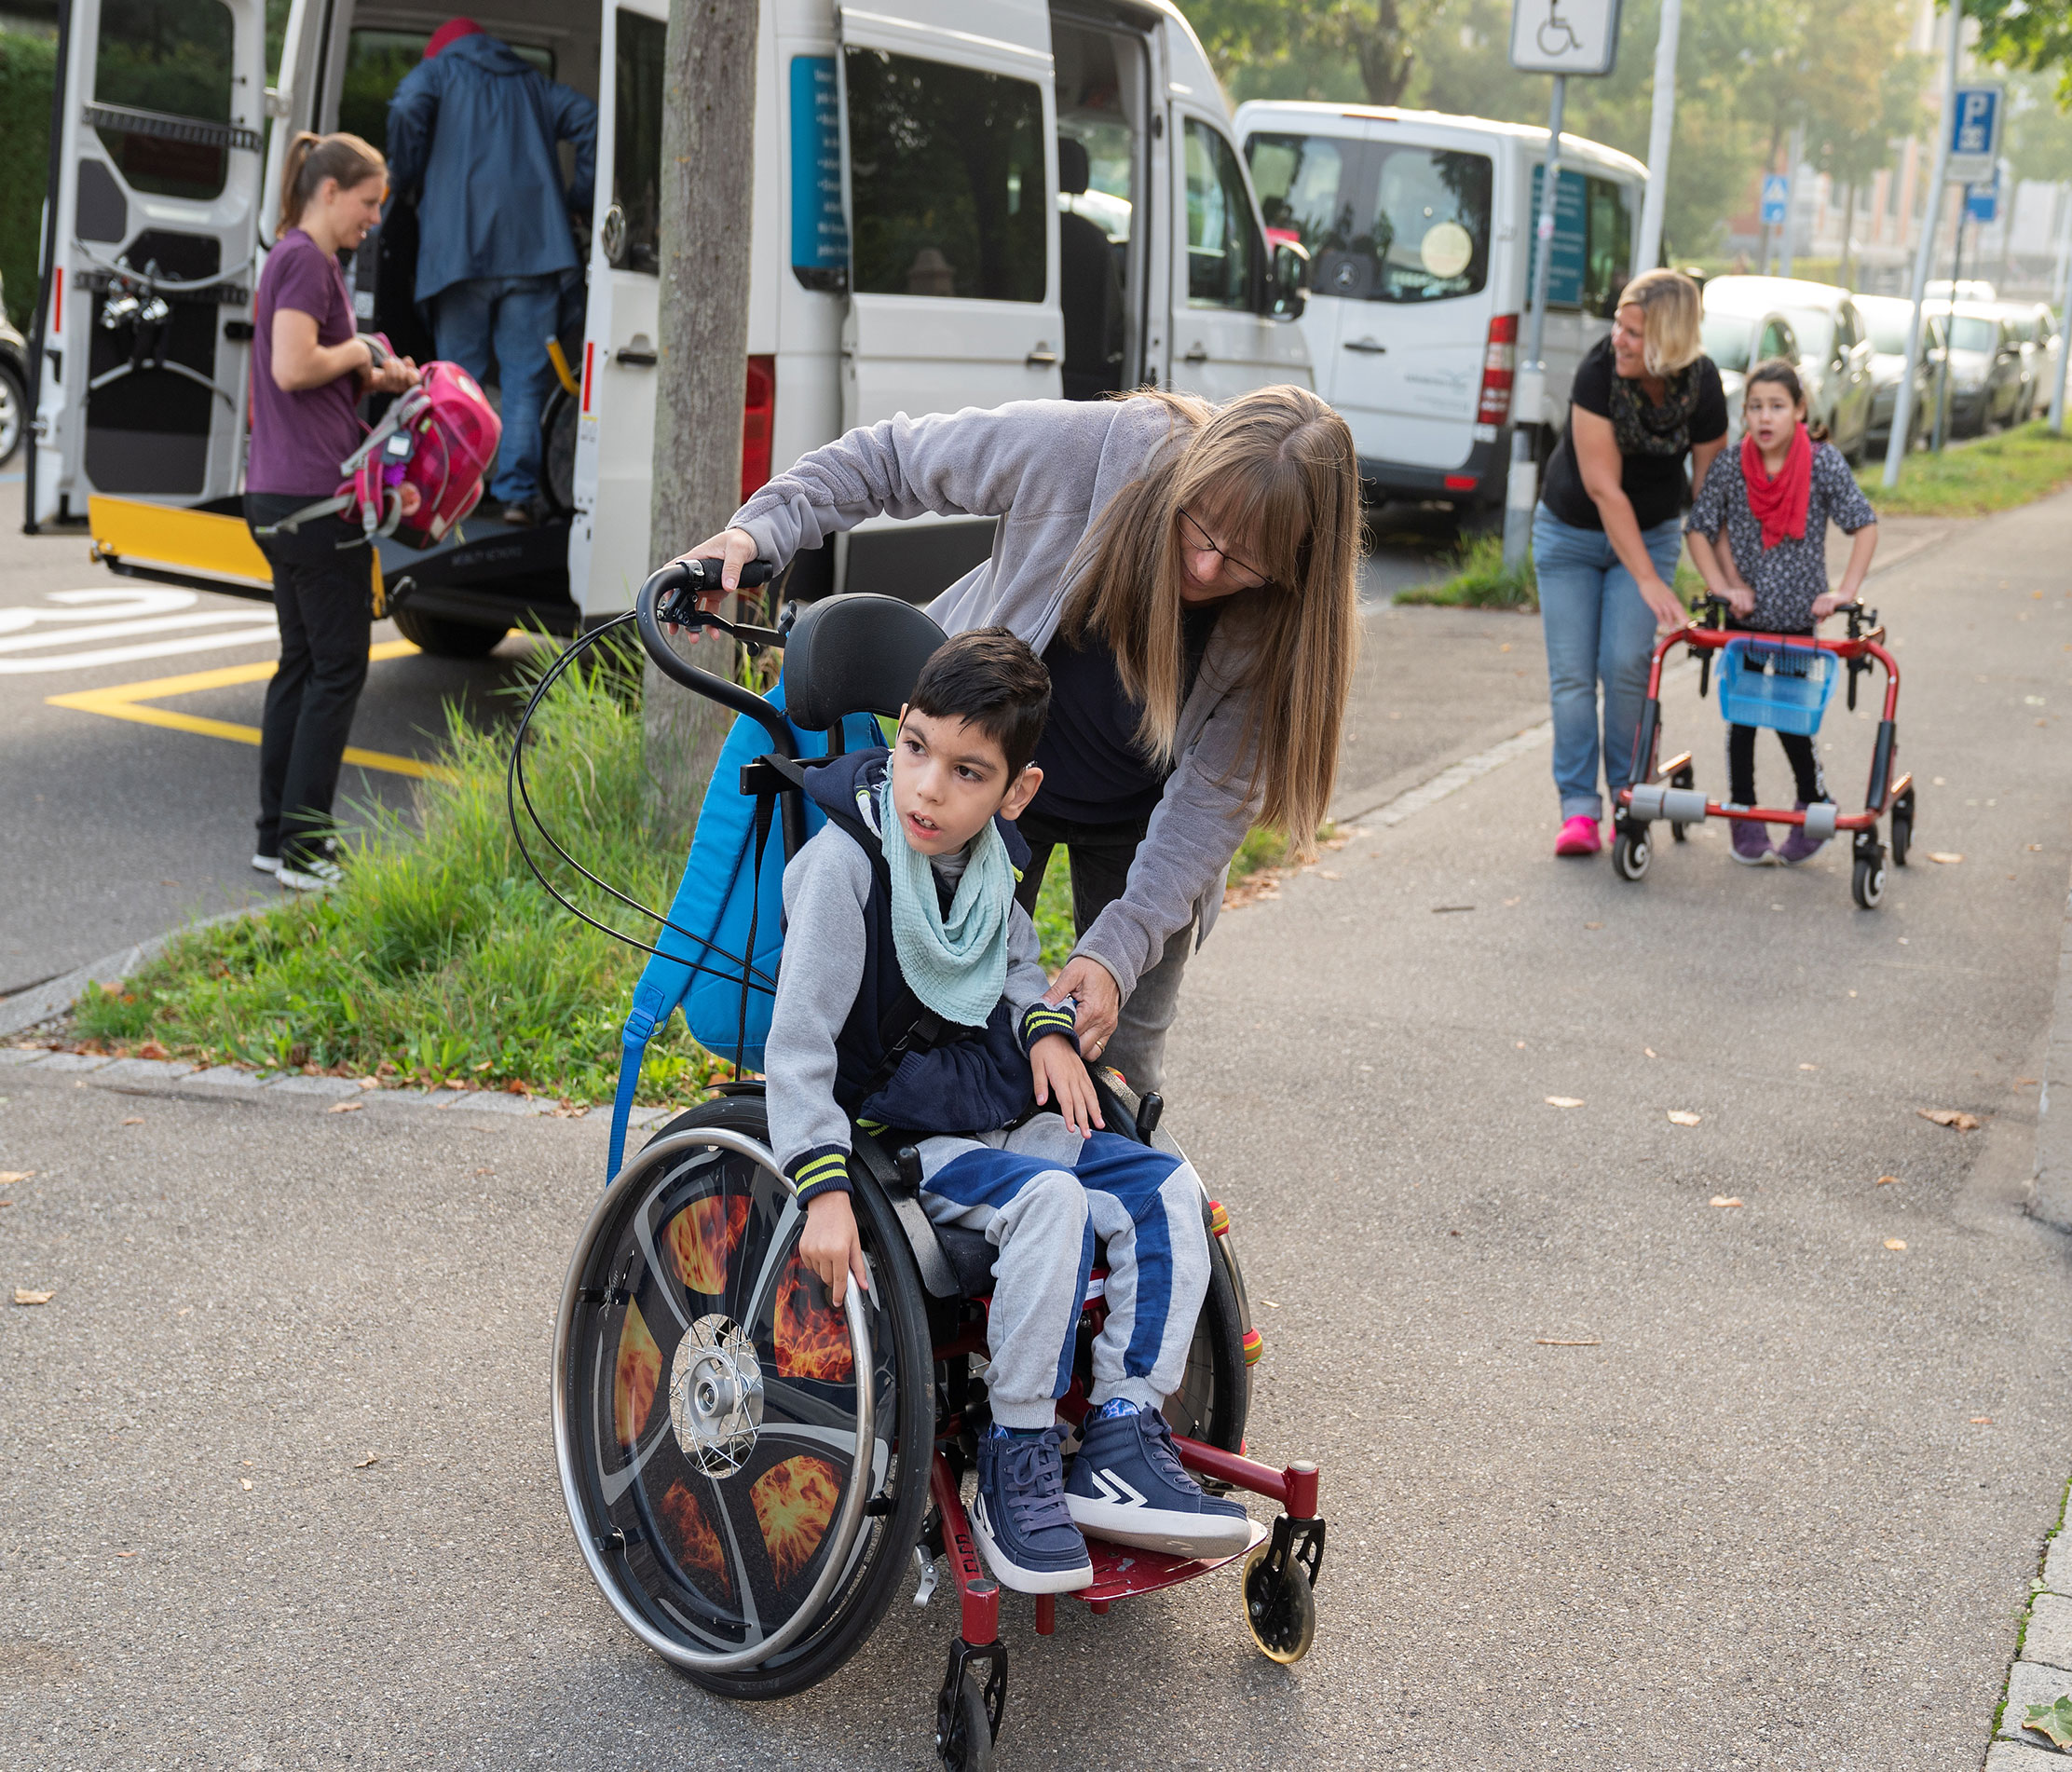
(1561, 37)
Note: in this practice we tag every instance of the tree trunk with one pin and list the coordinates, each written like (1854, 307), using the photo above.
(702, 352)
(1384, 54)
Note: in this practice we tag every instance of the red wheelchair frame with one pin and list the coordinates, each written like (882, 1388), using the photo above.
(1667, 790)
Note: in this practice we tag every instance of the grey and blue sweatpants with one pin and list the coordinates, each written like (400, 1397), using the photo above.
(1042, 1195)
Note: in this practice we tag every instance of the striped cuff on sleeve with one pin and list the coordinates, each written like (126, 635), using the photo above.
(1047, 1018)
(824, 1169)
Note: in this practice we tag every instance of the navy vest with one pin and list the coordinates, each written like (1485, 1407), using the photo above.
(948, 1077)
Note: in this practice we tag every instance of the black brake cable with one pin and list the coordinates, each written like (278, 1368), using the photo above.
(746, 974)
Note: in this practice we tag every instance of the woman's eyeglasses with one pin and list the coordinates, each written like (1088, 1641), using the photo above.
(1198, 540)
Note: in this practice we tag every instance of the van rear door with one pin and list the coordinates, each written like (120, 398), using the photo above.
(951, 188)
(145, 339)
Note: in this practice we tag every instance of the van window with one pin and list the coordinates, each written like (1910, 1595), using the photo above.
(375, 62)
(947, 178)
(636, 143)
(1221, 243)
(173, 60)
(1305, 189)
(1608, 248)
(1431, 230)
(1776, 342)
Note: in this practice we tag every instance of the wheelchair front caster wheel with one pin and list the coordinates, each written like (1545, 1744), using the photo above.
(1867, 884)
(1631, 853)
(966, 1744)
(1280, 1611)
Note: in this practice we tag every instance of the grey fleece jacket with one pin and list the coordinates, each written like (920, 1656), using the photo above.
(827, 888)
(1047, 469)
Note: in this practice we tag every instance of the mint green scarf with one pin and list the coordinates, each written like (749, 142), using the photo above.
(957, 965)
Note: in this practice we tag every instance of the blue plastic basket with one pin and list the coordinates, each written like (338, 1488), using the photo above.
(1784, 687)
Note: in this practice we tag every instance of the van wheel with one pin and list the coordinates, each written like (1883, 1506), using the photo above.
(444, 638)
(557, 437)
(14, 410)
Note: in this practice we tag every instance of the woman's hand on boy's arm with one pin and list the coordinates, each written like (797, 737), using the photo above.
(1096, 999)
(830, 1247)
(1058, 1069)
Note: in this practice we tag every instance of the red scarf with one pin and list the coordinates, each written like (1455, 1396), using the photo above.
(1779, 505)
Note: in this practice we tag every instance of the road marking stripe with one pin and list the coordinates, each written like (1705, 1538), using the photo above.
(143, 649)
(85, 625)
(128, 701)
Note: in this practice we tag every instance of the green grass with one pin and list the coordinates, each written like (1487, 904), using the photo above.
(1479, 581)
(1971, 479)
(441, 960)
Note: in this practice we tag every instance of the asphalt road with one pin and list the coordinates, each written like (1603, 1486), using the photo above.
(1779, 1506)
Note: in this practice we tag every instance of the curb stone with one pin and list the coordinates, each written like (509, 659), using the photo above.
(27, 1009)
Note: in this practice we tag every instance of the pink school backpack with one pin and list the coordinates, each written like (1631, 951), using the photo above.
(421, 469)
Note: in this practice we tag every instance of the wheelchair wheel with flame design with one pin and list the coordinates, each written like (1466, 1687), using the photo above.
(731, 1446)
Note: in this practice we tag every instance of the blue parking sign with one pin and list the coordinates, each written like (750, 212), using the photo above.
(1777, 199)
(1974, 139)
(1982, 203)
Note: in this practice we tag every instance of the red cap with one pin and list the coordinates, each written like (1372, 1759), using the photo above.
(451, 32)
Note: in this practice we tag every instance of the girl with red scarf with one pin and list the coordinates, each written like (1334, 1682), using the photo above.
(1773, 499)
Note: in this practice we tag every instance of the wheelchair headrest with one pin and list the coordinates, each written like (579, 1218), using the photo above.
(854, 654)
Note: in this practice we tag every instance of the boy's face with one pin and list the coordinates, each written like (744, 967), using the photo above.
(949, 779)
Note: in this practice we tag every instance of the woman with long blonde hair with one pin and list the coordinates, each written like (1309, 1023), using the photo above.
(1189, 574)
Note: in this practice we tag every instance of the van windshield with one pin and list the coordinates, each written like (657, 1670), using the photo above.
(1430, 237)
(1970, 333)
(1304, 189)
(1725, 337)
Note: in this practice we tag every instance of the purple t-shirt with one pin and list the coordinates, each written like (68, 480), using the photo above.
(299, 439)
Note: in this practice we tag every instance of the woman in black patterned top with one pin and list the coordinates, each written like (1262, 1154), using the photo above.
(1774, 498)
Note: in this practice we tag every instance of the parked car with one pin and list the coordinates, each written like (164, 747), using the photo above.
(942, 199)
(2019, 318)
(1420, 229)
(2050, 337)
(1887, 318)
(1971, 289)
(1834, 361)
(14, 385)
(1985, 370)
(1736, 343)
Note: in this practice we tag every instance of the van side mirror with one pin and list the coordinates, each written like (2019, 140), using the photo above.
(1291, 285)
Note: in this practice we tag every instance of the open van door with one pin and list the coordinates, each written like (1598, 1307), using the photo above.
(949, 173)
(147, 323)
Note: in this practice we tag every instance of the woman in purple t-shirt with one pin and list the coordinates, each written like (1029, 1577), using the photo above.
(309, 369)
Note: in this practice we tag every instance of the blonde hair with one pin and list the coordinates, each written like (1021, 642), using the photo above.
(1275, 471)
(1674, 312)
(313, 158)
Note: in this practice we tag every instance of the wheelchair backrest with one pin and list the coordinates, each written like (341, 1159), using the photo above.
(856, 654)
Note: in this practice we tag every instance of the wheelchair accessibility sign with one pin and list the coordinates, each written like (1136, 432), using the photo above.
(1565, 36)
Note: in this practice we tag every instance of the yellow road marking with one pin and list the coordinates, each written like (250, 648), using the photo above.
(129, 701)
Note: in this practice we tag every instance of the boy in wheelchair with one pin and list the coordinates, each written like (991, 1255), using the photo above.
(911, 997)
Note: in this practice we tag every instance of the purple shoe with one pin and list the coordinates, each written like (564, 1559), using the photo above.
(1798, 847)
(1751, 844)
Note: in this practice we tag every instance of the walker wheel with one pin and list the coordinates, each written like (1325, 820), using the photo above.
(966, 1745)
(1280, 1611)
(1631, 853)
(1902, 827)
(1867, 884)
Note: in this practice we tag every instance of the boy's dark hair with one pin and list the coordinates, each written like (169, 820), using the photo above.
(993, 681)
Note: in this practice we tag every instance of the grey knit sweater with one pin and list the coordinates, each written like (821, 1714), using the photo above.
(1047, 470)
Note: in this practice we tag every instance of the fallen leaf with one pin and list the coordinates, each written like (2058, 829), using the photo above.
(2025, 1083)
(1508, 903)
(1950, 1117)
(485, 1172)
(1563, 1101)
(2036, 849)
(1271, 1304)
(1325, 873)
(1725, 1199)
(1677, 1117)
(1887, 1180)
(1549, 1340)
(345, 1106)
(1981, 1421)
(1442, 910)
(244, 1482)
(134, 1120)
(1809, 1066)
(1593, 925)
(1649, 1050)
(152, 1049)
(1944, 856)
(22, 1295)
(372, 1458)
(125, 1553)
(1519, 1045)
(1895, 1243)
(10, 1177)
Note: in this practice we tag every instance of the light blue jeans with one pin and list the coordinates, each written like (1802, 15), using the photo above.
(1598, 628)
(514, 317)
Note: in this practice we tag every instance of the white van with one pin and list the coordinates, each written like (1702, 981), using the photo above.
(925, 257)
(1420, 231)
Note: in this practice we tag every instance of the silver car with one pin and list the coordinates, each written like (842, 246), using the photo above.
(1887, 317)
(1834, 348)
(1736, 343)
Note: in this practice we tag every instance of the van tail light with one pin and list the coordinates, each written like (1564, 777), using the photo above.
(758, 409)
(1499, 370)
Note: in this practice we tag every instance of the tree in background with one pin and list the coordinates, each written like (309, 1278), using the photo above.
(28, 64)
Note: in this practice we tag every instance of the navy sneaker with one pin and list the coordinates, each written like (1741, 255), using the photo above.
(1128, 1486)
(1019, 1515)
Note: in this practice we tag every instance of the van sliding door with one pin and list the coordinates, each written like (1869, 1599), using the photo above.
(951, 190)
(146, 340)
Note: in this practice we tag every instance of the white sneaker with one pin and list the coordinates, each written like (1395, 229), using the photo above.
(266, 864)
(317, 876)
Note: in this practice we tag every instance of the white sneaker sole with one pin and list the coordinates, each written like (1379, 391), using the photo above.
(267, 864)
(1012, 1575)
(1178, 1534)
(300, 882)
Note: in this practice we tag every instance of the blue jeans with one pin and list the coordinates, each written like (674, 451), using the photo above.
(1598, 627)
(515, 315)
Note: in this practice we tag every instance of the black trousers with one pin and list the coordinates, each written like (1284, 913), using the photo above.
(323, 598)
(1741, 765)
(1100, 856)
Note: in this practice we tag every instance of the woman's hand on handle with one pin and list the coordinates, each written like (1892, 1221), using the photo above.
(733, 547)
(1098, 1002)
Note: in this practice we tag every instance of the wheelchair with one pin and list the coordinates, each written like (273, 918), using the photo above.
(750, 1471)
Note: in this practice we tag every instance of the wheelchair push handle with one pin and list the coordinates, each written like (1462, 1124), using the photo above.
(671, 594)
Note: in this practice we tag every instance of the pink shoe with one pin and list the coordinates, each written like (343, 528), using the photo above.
(1578, 836)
